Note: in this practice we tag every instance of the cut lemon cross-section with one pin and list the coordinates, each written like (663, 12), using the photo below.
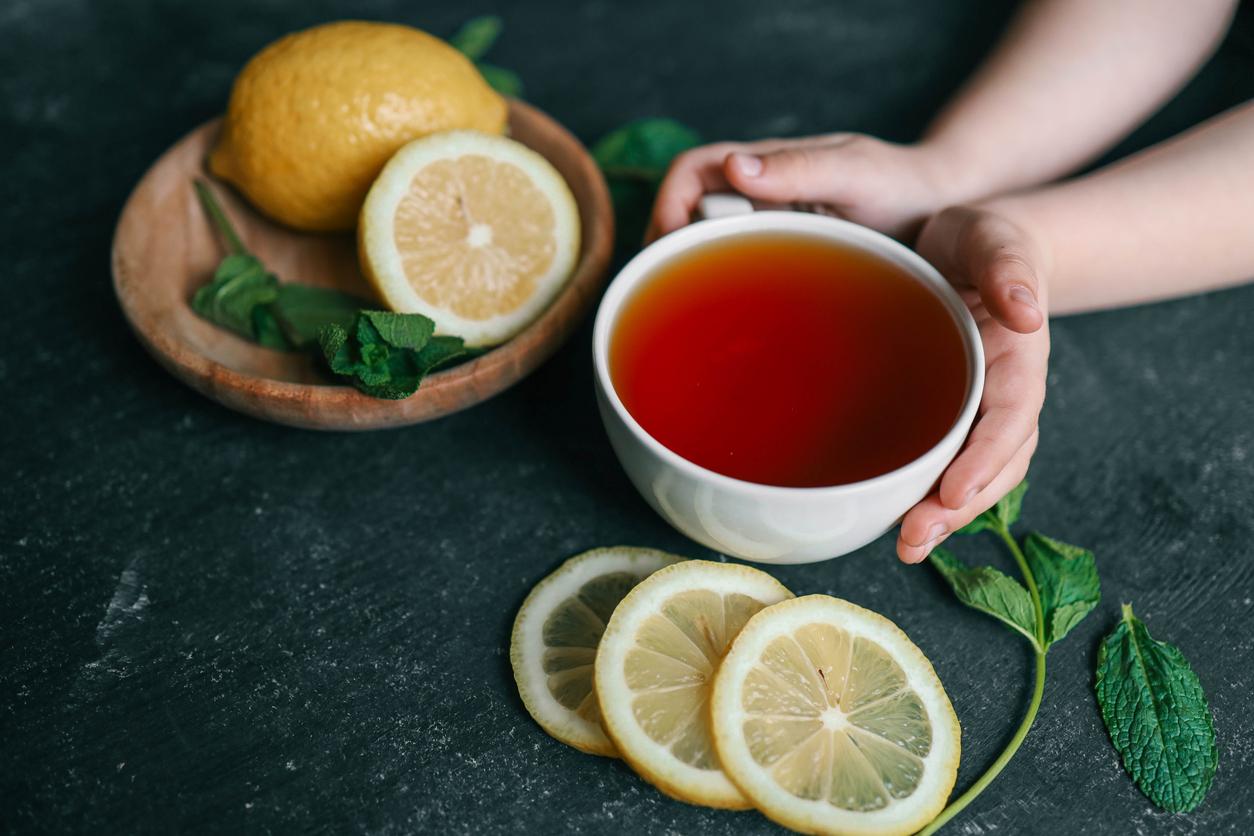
(656, 664)
(476, 231)
(830, 719)
(556, 635)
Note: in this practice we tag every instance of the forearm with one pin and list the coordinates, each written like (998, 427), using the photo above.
(1068, 80)
(1172, 220)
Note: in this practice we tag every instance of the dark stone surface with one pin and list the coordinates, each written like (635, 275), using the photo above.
(212, 624)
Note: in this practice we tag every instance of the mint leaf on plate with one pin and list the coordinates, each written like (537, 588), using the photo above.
(440, 352)
(1066, 576)
(239, 285)
(401, 330)
(1157, 716)
(302, 311)
(386, 354)
(989, 591)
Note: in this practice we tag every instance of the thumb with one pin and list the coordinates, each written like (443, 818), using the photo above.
(785, 176)
(993, 255)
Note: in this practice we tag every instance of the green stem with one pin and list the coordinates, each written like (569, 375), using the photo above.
(214, 210)
(1004, 533)
(959, 804)
(1038, 690)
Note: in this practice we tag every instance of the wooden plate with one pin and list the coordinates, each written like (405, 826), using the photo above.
(164, 248)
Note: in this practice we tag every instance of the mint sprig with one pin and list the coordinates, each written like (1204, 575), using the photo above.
(1151, 701)
(1157, 715)
(1060, 587)
(384, 354)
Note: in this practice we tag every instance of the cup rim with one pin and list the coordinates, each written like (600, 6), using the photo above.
(643, 264)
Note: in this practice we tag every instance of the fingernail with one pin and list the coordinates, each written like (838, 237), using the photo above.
(1023, 296)
(749, 165)
(935, 531)
(970, 495)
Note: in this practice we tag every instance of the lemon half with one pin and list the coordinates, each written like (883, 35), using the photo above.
(556, 635)
(476, 231)
(656, 664)
(832, 721)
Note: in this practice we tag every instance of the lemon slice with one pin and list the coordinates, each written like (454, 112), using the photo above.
(655, 666)
(830, 719)
(556, 635)
(476, 231)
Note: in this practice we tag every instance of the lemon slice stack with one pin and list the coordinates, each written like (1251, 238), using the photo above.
(721, 689)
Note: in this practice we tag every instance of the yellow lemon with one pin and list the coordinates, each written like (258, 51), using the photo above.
(477, 232)
(314, 116)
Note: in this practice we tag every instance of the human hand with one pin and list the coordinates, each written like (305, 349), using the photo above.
(999, 269)
(888, 187)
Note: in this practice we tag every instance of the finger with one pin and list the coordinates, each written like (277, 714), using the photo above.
(786, 175)
(1014, 392)
(700, 170)
(928, 524)
(691, 175)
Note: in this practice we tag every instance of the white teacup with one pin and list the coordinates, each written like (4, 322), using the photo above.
(768, 523)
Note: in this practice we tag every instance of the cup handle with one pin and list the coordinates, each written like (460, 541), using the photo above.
(722, 205)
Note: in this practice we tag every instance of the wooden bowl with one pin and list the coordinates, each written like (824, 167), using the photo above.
(164, 248)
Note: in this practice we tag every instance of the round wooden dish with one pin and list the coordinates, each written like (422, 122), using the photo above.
(164, 248)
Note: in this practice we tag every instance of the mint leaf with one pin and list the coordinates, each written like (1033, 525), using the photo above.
(506, 82)
(643, 149)
(239, 285)
(1157, 716)
(476, 36)
(473, 40)
(1003, 514)
(333, 340)
(1066, 576)
(386, 354)
(266, 329)
(302, 311)
(440, 352)
(399, 329)
(989, 591)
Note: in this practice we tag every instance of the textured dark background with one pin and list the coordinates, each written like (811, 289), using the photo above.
(212, 624)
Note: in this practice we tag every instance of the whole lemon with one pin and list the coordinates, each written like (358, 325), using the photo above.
(315, 115)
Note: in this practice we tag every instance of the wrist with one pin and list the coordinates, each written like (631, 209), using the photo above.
(955, 175)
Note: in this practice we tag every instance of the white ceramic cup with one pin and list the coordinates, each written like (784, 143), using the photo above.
(768, 523)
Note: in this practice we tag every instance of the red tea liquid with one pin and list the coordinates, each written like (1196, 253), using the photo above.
(789, 360)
